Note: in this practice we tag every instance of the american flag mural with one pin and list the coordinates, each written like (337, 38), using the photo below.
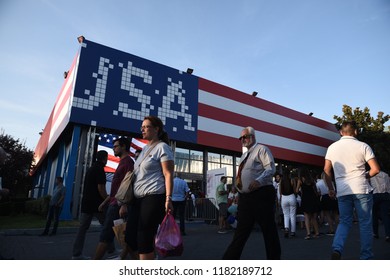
(116, 90)
(59, 116)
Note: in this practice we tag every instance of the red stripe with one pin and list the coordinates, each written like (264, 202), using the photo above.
(113, 158)
(109, 169)
(41, 148)
(259, 125)
(289, 155)
(229, 143)
(219, 141)
(242, 97)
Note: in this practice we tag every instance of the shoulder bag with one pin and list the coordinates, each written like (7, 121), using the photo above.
(125, 193)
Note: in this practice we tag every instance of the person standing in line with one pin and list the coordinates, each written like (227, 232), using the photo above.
(328, 206)
(289, 203)
(121, 149)
(179, 196)
(348, 157)
(232, 200)
(126, 251)
(55, 207)
(192, 204)
(310, 203)
(152, 189)
(278, 207)
(221, 195)
(381, 207)
(257, 198)
(93, 203)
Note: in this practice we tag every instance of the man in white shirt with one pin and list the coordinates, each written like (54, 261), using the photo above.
(348, 157)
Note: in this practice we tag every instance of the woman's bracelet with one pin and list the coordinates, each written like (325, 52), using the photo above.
(169, 197)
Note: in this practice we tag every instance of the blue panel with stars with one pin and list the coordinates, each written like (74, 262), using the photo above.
(116, 90)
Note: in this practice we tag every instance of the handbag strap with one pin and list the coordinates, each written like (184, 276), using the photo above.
(147, 153)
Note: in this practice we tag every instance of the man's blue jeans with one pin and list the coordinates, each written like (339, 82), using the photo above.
(363, 204)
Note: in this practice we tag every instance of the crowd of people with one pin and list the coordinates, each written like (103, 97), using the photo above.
(307, 196)
(344, 191)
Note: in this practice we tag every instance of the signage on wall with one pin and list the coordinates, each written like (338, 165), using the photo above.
(117, 90)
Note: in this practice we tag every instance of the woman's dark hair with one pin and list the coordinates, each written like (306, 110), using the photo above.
(157, 122)
(285, 183)
(308, 175)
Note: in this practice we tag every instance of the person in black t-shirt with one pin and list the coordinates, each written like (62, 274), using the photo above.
(94, 200)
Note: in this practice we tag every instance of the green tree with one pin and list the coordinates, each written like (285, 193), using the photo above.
(364, 119)
(15, 171)
(372, 132)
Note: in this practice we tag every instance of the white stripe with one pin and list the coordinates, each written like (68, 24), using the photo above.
(238, 107)
(107, 149)
(112, 164)
(230, 130)
(60, 122)
(69, 82)
(138, 143)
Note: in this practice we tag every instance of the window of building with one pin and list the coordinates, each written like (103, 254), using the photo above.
(196, 161)
(216, 161)
(188, 161)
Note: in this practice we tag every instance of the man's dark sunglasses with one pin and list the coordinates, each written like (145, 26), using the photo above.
(246, 136)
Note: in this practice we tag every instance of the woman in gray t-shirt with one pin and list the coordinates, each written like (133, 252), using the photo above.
(152, 189)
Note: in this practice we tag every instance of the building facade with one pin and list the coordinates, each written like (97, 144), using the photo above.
(110, 91)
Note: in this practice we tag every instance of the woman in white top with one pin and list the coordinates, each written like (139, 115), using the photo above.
(152, 189)
(328, 205)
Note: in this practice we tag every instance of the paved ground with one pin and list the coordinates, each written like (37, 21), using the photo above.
(202, 242)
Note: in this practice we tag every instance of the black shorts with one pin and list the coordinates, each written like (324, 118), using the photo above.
(223, 209)
(327, 203)
(143, 220)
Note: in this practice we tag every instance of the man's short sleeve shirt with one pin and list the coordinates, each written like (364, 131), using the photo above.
(349, 157)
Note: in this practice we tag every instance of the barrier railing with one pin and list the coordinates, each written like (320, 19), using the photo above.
(201, 209)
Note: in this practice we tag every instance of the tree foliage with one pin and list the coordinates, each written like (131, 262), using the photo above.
(373, 132)
(364, 119)
(15, 171)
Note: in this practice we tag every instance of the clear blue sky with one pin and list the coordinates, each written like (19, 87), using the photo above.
(307, 55)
